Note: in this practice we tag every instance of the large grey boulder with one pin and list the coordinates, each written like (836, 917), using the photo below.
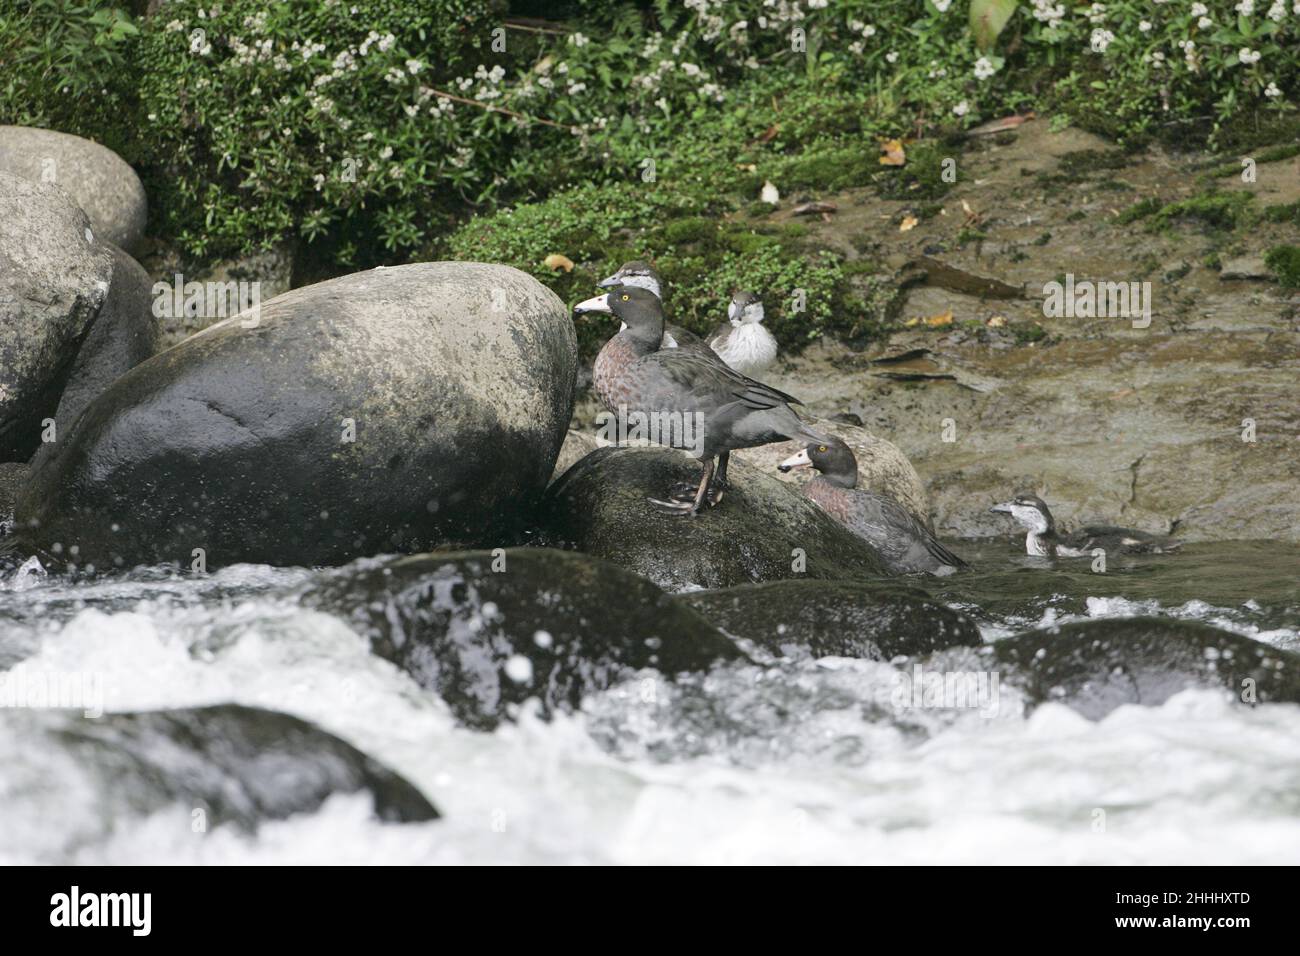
(393, 410)
(124, 334)
(102, 183)
(54, 278)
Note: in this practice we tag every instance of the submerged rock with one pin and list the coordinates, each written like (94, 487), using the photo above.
(1095, 666)
(764, 529)
(239, 766)
(835, 618)
(397, 409)
(488, 630)
(102, 183)
(54, 278)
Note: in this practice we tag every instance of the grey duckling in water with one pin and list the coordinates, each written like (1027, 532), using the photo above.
(1043, 540)
(904, 543)
(634, 375)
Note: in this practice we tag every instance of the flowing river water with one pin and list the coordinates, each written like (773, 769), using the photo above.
(792, 762)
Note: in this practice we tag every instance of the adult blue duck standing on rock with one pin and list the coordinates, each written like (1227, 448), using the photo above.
(634, 375)
(1043, 540)
(907, 546)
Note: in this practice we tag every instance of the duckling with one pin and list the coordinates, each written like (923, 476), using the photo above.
(1044, 541)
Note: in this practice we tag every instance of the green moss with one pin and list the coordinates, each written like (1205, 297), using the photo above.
(828, 170)
(1218, 210)
(1285, 263)
(1028, 334)
(1140, 210)
(693, 229)
(1288, 213)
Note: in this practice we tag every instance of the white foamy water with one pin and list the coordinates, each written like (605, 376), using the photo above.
(791, 764)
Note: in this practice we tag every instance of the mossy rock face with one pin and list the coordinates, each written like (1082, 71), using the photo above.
(242, 765)
(836, 618)
(1096, 666)
(488, 630)
(764, 529)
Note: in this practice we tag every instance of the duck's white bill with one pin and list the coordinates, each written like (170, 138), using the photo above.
(1004, 508)
(599, 304)
(797, 460)
(609, 282)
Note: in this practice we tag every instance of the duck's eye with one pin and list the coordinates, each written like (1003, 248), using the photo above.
(625, 298)
(821, 447)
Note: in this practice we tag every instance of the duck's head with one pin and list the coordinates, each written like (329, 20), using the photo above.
(640, 311)
(1029, 510)
(745, 307)
(833, 458)
(639, 274)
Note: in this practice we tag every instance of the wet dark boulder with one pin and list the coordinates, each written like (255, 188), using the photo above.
(98, 180)
(835, 618)
(488, 630)
(764, 529)
(239, 766)
(54, 278)
(1095, 666)
(395, 410)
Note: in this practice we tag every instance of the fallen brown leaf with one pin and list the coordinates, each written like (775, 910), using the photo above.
(908, 224)
(940, 320)
(557, 261)
(892, 153)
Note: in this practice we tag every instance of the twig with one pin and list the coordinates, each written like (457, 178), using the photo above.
(526, 26)
(503, 110)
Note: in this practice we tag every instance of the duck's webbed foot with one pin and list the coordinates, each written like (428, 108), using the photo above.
(700, 496)
(683, 491)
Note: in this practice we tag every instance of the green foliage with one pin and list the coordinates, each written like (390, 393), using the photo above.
(254, 123)
(1285, 263)
(62, 63)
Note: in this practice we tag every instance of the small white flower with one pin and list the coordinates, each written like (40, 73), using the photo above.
(1248, 56)
(1246, 7)
(1199, 9)
(1277, 12)
(1145, 26)
(892, 56)
(578, 40)
(962, 108)
(1101, 38)
(1271, 91)
(1205, 23)
(386, 152)
(414, 66)
(984, 68)
(942, 6)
